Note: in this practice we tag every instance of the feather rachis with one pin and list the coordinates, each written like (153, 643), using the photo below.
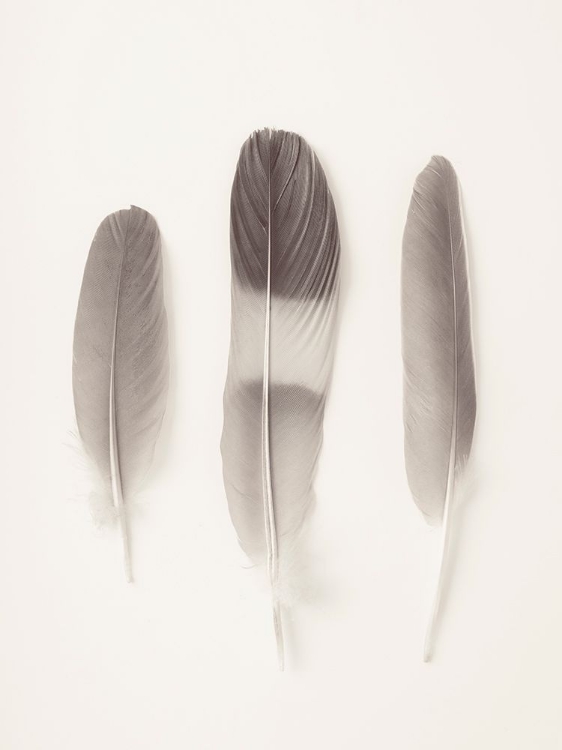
(116, 485)
(269, 509)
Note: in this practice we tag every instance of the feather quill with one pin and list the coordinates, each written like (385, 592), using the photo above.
(285, 279)
(439, 386)
(120, 358)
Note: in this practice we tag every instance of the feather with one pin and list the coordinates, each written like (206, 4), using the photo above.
(120, 362)
(439, 388)
(285, 278)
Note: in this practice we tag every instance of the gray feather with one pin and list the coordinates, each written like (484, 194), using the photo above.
(285, 261)
(120, 363)
(439, 391)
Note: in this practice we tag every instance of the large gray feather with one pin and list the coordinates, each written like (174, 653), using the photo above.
(120, 363)
(285, 278)
(439, 389)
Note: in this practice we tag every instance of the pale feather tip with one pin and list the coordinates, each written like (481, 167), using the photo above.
(438, 162)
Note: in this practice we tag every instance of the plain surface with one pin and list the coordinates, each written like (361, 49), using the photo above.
(111, 103)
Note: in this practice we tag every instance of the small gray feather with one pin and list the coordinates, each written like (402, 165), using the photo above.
(120, 363)
(439, 388)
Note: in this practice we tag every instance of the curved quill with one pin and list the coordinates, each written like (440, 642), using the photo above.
(285, 278)
(439, 388)
(120, 363)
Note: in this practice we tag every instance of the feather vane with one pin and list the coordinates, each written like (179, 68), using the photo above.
(439, 383)
(285, 278)
(120, 357)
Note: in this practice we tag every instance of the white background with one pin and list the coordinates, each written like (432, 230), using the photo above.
(110, 103)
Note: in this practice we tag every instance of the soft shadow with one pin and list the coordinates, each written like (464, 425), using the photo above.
(293, 654)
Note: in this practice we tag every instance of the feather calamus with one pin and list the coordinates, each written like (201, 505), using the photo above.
(285, 278)
(439, 385)
(120, 358)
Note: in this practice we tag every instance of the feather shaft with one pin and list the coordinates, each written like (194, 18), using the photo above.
(269, 509)
(450, 491)
(116, 486)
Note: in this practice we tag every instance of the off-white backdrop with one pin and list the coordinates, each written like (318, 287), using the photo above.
(109, 103)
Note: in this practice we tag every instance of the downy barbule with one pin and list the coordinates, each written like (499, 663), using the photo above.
(439, 387)
(120, 358)
(285, 277)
